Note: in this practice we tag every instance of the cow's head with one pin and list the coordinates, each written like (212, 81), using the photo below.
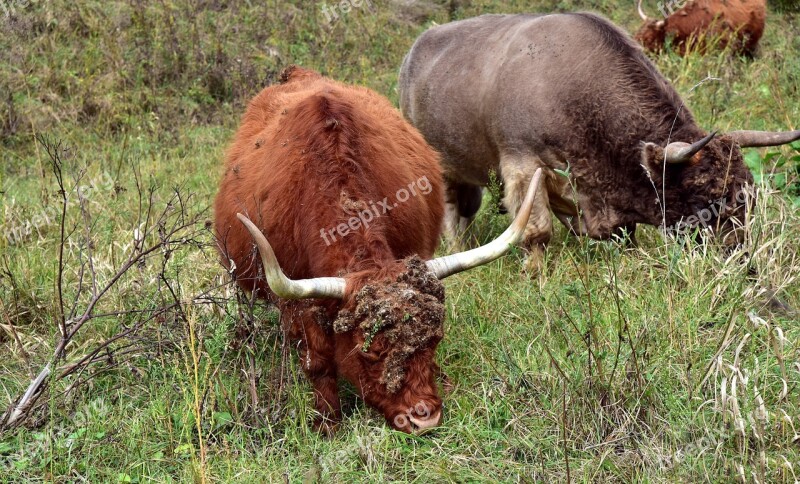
(653, 33)
(392, 324)
(707, 183)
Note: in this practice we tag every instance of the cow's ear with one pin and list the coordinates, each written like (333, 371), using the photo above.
(652, 158)
(294, 73)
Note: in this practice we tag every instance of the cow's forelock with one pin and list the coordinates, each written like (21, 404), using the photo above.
(706, 189)
(407, 314)
(719, 173)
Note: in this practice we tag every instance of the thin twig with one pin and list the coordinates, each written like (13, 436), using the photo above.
(174, 229)
(11, 329)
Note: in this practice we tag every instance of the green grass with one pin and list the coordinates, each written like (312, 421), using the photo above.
(594, 368)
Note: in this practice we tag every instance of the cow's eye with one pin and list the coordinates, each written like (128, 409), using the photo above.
(371, 356)
(374, 351)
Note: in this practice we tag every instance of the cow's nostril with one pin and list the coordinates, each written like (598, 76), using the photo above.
(422, 425)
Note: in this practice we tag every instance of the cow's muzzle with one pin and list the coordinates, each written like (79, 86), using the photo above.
(420, 425)
(420, 418)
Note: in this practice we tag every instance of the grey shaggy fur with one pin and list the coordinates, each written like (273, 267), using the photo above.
(512, 93)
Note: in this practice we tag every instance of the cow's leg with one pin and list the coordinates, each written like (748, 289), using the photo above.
(316, 353)
(326, 397)
(462, 203)
(516, 172)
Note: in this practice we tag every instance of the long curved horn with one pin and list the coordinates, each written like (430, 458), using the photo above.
(753, 139)
(680, 152)
(453, 264)
(641, 12)
(327, 287)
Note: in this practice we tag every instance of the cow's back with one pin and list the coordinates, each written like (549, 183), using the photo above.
(553, 85)
(309, 155)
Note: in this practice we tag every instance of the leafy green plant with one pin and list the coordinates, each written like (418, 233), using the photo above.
(778, 170)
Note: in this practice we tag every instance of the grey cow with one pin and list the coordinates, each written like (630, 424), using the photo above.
(512, 93)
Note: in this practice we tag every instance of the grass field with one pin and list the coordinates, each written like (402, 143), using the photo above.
(666, 362)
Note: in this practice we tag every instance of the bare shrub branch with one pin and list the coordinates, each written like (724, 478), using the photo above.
(176, 226)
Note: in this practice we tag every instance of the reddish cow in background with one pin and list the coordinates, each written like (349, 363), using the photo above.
(351, 199)
(736, 22)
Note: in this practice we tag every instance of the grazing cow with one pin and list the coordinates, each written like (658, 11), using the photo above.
(736, 22)
(569, 93)
(351, 198)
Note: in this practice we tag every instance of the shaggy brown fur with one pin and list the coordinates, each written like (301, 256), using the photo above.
(739, 23)
(307, 154)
